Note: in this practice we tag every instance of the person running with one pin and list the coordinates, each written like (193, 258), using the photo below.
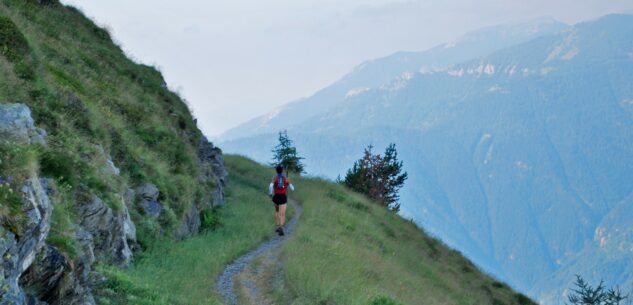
(278, 190)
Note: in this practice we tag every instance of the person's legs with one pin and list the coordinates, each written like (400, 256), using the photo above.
(282, 214)
(277, 216)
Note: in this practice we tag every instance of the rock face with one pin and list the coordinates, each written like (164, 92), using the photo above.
(18, 250)
(16, 125)
(212, 172)
(112, 231)
(36, 273)
(147, 195)
(213, 168)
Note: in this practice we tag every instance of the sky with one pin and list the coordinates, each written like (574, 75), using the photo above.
(233, 60)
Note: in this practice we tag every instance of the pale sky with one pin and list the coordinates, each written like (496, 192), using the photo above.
(233, 60)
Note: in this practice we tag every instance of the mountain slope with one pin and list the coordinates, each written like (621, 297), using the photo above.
(377, 72)
(520, 159)
(98, 159)
(345, 250)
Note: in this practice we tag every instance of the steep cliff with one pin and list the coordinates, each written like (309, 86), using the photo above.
(98, 158)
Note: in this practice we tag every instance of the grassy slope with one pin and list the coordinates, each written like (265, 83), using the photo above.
(183, 272)
(346, 251)
(86, 93)
(349, 251)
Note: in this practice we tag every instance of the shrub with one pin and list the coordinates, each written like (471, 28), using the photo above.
(210, 219)
(383, 300)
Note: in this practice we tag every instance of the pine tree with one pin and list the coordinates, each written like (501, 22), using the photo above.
(585, 294)
(378, 177)
(285, 154)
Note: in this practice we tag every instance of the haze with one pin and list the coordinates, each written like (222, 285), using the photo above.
(234, 60)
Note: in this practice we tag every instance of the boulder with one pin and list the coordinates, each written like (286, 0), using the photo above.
(16, 125)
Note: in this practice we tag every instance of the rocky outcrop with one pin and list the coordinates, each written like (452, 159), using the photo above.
(212, 172)
(18, 249)
(33, 272)
(37, 273)
(147, 195)
(213, 168)
(112, 231)
(53, 279)
(16, 125)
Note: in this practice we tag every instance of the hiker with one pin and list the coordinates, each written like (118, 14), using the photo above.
(278, 190)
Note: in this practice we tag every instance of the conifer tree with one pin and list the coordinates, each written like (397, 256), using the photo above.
(585, 294)
(285, 154)
(378, 177)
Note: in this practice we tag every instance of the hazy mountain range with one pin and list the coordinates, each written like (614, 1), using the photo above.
(518, 140)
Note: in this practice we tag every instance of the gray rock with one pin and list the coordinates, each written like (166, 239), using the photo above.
(190, 223)
(19, 252)
(108, 229)
(213, 168)
(16, 125)
(109, 167)
(44, 277)
(148, 199)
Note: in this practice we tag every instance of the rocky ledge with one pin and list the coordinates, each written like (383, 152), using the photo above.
(35, 272)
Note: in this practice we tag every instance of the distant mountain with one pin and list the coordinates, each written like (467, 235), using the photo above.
(377, 72)
(521, 158)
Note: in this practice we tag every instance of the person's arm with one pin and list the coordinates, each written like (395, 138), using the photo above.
(270, 189)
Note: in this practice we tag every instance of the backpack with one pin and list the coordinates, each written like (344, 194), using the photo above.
(280, 184)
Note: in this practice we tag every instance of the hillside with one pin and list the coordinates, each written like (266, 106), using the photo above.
(346, 250)
(519, 158)
(106, 183)
(98, 159)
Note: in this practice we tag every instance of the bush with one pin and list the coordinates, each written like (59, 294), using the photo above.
(210, 219)
(383, 300)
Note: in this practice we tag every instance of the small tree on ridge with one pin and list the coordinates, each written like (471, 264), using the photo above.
(585, 294)
(379, 177)
(285, 154)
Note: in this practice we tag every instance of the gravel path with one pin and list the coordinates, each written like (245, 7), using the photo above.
(225, 283)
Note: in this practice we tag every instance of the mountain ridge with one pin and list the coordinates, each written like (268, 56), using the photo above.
(382, 71)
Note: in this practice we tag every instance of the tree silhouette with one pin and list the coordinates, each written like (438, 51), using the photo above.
(585, 294)
(285, 154)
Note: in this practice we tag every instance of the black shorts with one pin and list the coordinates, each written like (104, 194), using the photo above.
(279, 199)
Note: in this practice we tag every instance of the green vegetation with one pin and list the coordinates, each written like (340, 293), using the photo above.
(171, 272)
(378, 177)
(94, 102)
(585, 294)
(285, 154)
(346, 250)
(17, 162)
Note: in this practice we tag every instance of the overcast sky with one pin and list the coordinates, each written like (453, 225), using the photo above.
(236, 59)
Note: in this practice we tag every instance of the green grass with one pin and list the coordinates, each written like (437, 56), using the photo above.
(84, 91)
(346, 250)
(171, 272)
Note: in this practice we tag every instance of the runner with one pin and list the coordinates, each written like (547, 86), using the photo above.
(278, 190)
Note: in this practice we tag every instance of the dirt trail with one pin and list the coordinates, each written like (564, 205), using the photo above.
(257, 276)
